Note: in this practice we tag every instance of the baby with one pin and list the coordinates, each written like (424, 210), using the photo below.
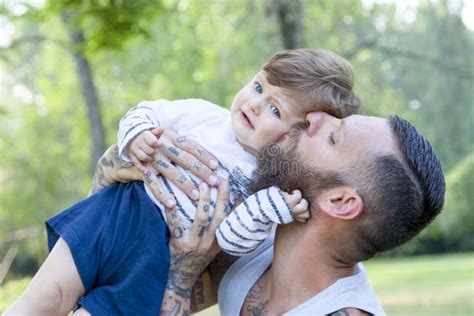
(112, 247)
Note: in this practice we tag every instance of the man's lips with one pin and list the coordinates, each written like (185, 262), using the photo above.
(246, 119)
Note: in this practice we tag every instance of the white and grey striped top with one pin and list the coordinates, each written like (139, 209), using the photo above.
(210, 126)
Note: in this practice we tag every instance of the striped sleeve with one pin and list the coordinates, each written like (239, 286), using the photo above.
(252, 221)
(138, 119)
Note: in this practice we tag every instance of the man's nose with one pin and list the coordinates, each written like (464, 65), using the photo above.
(315, 120)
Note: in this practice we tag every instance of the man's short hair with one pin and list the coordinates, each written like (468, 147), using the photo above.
(317, 79)
(401, 195)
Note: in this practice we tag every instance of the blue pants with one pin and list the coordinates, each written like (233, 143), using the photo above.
(119, 242)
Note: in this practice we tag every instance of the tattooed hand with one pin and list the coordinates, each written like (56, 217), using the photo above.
(177, 150)
(110, 169)
(192, 250)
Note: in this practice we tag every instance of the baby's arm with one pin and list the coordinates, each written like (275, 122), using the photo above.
(136, 141)
(253, 220)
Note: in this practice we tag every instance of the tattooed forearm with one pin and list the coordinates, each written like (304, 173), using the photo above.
(184, 293)
(197, 297)
(184, 270)
(99, 181)
(173, 305)
(186, 267)
(105, 169)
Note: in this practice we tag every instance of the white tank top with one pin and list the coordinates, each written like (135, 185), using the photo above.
(353, 291)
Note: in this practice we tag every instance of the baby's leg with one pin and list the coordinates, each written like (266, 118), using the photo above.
(55, 288)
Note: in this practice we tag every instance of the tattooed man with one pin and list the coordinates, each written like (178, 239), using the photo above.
(372, 184)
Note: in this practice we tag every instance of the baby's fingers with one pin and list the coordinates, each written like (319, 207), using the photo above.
(301, 211)
(150, 139)
(138, 163)
(294, 198)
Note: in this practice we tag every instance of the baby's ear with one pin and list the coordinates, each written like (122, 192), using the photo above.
(341, 202)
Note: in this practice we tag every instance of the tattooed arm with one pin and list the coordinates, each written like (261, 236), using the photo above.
(191, 250)
(205, 289)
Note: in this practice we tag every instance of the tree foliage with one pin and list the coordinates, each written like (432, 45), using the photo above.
(107, 23)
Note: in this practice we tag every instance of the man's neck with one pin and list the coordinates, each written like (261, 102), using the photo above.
(302, 267)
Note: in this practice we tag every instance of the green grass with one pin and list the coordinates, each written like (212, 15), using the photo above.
(426, 285)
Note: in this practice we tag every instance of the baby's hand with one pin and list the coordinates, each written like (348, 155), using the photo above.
(143, 149)
(298, 205)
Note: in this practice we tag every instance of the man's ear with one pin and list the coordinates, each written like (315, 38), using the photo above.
(342, 202)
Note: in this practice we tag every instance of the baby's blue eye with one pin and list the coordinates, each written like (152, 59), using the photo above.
(275, 111)
(258, 87)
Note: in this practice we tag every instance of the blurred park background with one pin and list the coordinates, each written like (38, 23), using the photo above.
(69, 70)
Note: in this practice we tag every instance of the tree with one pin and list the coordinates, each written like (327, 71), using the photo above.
(88, 89)
(289, 18)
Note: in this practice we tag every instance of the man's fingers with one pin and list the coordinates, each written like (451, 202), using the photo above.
(158, 189)
(201, 218)
(175, 148)
(188, 162)
(174, 223)
(222, 205)
(195, 149)
(163, 166)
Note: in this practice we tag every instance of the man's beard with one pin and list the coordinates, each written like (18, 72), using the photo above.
(280, 165)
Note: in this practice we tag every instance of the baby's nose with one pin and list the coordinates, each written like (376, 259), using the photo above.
(256, 106)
